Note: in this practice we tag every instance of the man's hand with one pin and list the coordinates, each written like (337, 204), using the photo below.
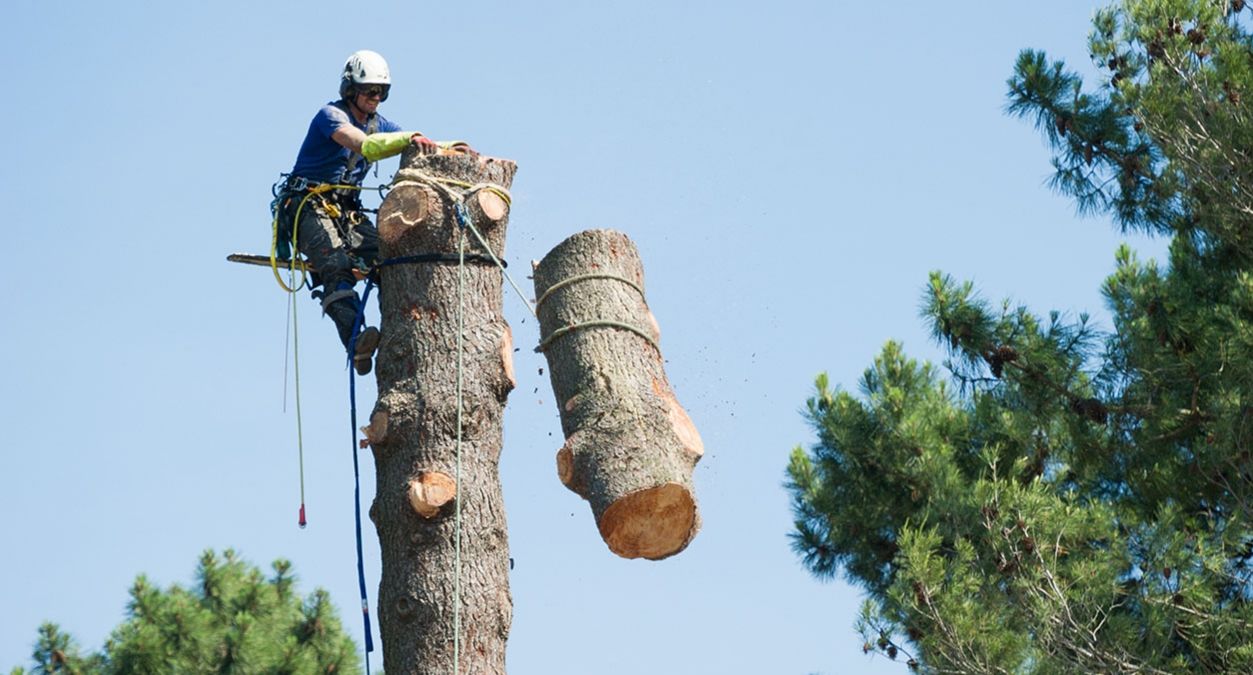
(425, 145)
(458, 148)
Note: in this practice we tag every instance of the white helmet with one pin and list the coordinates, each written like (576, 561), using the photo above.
(364, 67)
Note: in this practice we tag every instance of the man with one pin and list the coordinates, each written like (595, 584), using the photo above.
(344, 137)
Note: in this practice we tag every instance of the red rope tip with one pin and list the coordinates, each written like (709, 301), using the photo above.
(302, 521)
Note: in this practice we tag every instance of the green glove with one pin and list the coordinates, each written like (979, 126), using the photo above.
(383, 145)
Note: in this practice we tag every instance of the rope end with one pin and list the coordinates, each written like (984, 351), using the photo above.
(302, 522)
(369, 637)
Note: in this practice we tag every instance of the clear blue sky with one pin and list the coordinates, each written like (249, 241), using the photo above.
(791, 171)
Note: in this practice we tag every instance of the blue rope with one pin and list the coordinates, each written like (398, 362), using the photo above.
(441, 258)
(356, 471)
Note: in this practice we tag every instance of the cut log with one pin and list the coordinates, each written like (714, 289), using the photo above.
(414, 428)
(630, 447)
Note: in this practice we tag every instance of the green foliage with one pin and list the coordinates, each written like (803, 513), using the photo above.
(1064, 499)
(234, 620)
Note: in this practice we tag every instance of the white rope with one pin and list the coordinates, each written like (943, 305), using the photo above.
(461, 266)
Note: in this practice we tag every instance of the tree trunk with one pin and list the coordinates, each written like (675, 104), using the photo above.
(414, 427)
(630, 447)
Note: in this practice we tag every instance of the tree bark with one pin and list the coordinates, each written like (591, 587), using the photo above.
(630, 447)
(413, 428)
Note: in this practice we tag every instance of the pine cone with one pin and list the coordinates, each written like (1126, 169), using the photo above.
(1090, 408)
(998, 357)
(995, 364)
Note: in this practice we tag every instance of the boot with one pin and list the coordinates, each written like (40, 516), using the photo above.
(363, 350)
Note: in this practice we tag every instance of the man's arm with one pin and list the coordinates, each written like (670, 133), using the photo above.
(381, 145)
(350, 137)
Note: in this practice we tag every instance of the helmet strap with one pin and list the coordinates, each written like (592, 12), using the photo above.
(352, 102)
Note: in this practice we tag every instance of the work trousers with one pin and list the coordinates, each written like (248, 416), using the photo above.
(332, 246)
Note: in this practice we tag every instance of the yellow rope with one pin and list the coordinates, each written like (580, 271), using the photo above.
(292, 266)
(419, 178)
(416, 177)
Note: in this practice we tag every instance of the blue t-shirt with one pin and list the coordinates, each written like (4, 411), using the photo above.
(323, 160)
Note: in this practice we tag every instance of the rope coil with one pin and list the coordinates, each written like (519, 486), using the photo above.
(598, 323)
(445, 186)
(584, 277)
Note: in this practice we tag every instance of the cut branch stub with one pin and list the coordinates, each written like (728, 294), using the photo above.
(630, 447)
(408, 206)
(376, 432)
(431, 490)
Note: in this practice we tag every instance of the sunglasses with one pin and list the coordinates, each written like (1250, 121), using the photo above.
(373, 90)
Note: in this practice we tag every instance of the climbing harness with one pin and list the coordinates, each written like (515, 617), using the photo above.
(292, 186)
(371, 127)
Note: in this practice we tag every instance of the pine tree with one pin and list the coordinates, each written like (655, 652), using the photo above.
(1066, 499)
(233, 620)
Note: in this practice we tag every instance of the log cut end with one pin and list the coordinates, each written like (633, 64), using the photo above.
(429, 491)
(406, 207)
(492, 205)
(565, 468)
(654, 523)
(506, 358)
